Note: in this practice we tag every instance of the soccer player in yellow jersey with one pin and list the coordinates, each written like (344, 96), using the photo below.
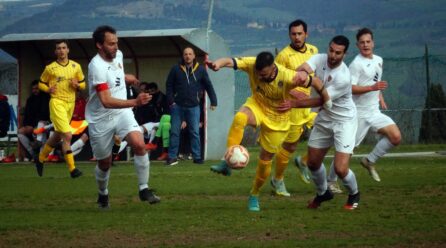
(270, 85)
(61, 79)
(292, 56)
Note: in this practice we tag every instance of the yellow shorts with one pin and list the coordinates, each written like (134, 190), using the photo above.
(272, 134)
(60, 114)
(271, 140)
(296, 130)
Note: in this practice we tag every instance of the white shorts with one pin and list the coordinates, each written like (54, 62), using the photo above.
(101, 133)
(341, 134)
(373, 121)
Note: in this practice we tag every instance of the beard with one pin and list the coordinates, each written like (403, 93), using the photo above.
(110, 54)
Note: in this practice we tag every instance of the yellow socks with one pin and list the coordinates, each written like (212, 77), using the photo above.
(237, 129)
(44, 153)
(262, 172)
(69, 158)
(282, 159)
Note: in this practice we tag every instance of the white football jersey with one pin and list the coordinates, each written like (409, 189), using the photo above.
(366, 72)
(339, 88)
(101, 72)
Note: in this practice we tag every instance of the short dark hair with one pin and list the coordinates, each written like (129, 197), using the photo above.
(341, 40)
(263, 60)
(152, 85)
(297, 23)
(34, 82)
(99, 33)
(362, 32)
(57, 42)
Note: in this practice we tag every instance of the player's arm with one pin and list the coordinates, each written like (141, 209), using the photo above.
(109, 101)
(355, 72)
(220, 63)
(303, 75)
(382, 103)
(44, 83)
(380, 85)
(131, 79)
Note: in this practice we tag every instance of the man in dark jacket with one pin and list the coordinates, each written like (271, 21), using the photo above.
(5, 115)
(183, 86)
(36, 114)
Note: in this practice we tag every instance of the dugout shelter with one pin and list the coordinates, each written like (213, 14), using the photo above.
(148, 54)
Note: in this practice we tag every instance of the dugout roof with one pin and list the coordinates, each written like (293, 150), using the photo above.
(149, 54)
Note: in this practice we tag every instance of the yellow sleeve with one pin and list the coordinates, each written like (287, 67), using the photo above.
(244, 63)
(46, 76)
(80, 76)
(43, 87)
(82, 86)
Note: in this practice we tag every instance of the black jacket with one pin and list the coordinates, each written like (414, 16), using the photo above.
(5, 116)
(37, 109)
(153, 110)
(185, 85)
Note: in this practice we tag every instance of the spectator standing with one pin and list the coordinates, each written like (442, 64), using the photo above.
(183, 86)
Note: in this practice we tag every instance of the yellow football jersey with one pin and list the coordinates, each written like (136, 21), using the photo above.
(60, 76)
(292, 59)
(268, 95)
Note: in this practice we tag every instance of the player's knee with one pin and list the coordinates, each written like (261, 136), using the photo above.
(341, 172)
(313, 164)
(395, 138)
(139, 148)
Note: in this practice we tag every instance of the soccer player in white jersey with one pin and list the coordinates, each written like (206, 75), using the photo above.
(366, 71)
(108, 112)
(335, 126)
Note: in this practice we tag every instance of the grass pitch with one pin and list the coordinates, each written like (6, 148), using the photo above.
(202, 209)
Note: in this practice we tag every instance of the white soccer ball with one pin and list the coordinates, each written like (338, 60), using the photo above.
(237, 157)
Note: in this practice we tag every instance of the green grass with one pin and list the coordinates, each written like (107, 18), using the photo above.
(202, 209)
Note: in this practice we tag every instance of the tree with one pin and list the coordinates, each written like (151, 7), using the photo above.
(434, 116)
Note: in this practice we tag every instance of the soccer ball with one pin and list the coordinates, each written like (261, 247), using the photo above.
(237, 157)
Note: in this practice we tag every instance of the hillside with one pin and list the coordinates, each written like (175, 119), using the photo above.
(402, 27)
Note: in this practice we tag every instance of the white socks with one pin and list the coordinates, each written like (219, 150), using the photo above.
(77, 146)
(122, 146)
(381, 148)
(102, 180)
(25, 142)
(320, 179)
(350, 183)
(142, 166)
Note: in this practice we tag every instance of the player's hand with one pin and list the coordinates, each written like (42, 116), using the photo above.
(213, 107)
(285, 105)
(300, 78)
(74, 83)
(183, 125)
(213, 66)
(143, 98)
(380, 85)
